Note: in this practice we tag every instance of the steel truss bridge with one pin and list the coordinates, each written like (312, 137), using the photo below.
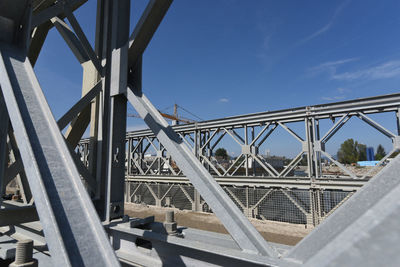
(263, 192)
(72, 212)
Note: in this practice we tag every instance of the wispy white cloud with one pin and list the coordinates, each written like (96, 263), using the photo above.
(332, 98)
(335, 63)
(315, 34)
(224, 100)
(338, 94)
(263, 53)
(267, 29)
(386, 70)
(329, 67)
(327, 26)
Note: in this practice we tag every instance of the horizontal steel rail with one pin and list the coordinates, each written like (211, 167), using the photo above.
(290, 182)
(370, 105)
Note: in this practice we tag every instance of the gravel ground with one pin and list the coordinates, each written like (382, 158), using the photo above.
(278, 232)
(357, 170)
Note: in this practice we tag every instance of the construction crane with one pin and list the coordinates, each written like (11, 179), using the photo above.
(174, 117)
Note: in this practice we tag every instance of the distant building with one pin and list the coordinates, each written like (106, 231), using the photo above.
(274, 161)
(225, 163)
(370, 154)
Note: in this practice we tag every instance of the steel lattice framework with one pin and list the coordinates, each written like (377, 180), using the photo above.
(157, 181)
(80, 207)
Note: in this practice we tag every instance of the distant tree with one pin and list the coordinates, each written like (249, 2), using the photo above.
(348, 152)
(221, 152)
(380, 153)
(303, 161)
(362, 152)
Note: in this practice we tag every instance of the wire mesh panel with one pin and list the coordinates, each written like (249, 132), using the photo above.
(178, 198)
(284, 206)
(275, 204)
(331, 200)
(131, 189)
(143, 195)
(302, 197)
(238, 196)
(163, 190)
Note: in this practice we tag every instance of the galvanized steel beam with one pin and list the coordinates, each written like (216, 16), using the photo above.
(145, 29)
(242, 231)
(250, 181)
(70, 223)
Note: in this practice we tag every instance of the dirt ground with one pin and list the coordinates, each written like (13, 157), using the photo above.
(357, 170)
(278, 232)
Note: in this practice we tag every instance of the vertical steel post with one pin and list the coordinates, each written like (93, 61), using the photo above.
(4, 122)
(246, 141)
(312, 207)
(159, 155)
(196, 143)
(319, 205)
(197, 201)
(310, 148)
(116, 79)
(129, 157)
(200, 144)
(318, 137)
(247, 203)
(315, 134)
(208, 150)
(140, 155)
(255, 152)
(98, 141)
(398, 121)
(127, 191)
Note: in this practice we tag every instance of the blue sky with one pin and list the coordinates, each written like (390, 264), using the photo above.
(226, 57)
